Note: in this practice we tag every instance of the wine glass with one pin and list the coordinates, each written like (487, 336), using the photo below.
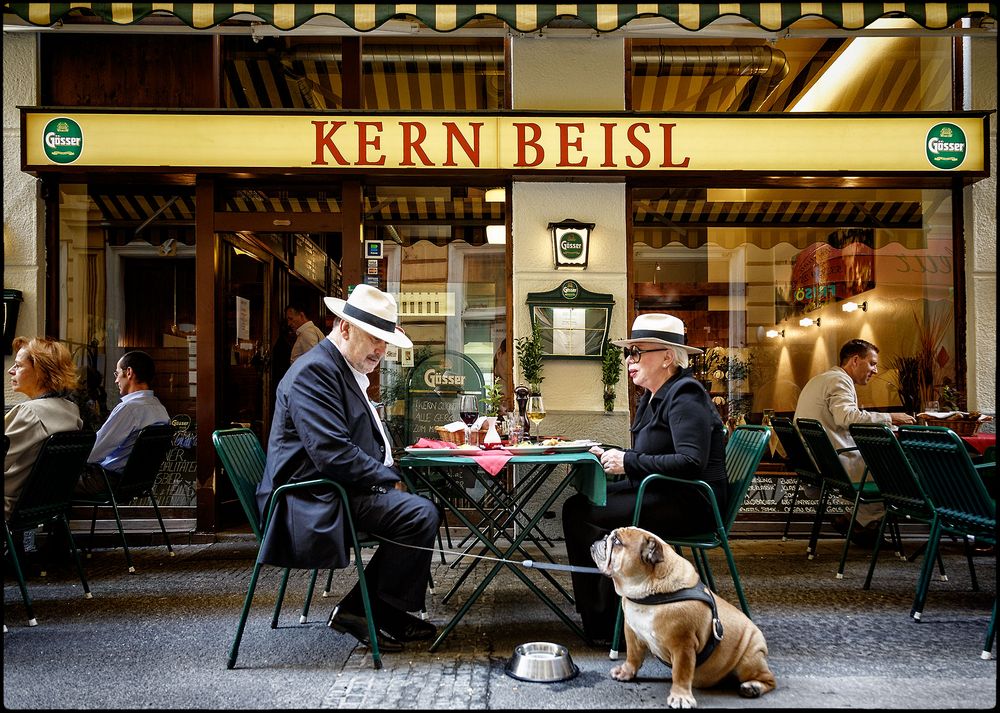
(535, 414)
(468, 410)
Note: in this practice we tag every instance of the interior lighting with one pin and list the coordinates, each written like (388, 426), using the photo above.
(496, 234)
(496, 195)
(772, 333)
(854, 306)
(807, 322)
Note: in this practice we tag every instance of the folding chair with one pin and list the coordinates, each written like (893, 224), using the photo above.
(46, 497)
(901, 492)
(800, 461)
(960, 499)
(243, 458)
(744, 450)
(835, 480)
(136, 481)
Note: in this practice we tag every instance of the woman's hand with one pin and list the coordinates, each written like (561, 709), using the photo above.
(613, 461)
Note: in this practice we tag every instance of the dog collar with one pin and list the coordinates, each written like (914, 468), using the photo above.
(699, 593)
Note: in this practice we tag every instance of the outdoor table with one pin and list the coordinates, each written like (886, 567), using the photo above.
(444, 476)
(980, 442)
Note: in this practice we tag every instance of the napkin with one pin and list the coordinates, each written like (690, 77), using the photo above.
(492, 461)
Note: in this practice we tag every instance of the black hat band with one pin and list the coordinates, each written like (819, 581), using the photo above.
(651, 334)
(368, 318)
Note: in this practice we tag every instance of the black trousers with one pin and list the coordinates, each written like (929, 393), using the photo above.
(667, 511)
(397, 573)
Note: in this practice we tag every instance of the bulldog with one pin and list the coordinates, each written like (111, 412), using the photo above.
(643, 566)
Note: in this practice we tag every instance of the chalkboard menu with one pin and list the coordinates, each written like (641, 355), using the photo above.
(176, 482)
(433, 389)
(310, 261)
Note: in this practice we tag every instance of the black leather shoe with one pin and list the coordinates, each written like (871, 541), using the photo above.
(357, 626)
(403, 626)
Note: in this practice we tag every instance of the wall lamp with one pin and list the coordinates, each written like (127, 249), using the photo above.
(854, 306)
(772, 333)
(496, 195)
(807, 322)
(496, 234)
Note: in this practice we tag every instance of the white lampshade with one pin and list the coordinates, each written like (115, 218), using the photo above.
(807, 322)
(496, 234)
(496, 195)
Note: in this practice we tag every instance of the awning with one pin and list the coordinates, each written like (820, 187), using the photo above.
(522, 17)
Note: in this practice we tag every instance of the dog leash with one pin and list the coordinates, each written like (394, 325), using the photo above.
(700, 593)
(528, 564)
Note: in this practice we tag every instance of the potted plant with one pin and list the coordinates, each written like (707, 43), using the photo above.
(493, 397)
(529, 356)
(611, 371)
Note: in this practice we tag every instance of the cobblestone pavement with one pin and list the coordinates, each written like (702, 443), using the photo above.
(158, 639)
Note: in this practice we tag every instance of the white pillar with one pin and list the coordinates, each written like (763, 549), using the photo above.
(23, 226)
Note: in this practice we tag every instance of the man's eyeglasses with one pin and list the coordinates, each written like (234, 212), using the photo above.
(635, 353)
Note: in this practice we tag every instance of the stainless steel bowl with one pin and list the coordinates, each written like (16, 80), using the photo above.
(541, 662)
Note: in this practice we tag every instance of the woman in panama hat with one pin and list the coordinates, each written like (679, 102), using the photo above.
(677, 431)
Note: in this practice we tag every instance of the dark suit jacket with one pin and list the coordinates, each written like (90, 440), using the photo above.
(678, 432)
(322, 428)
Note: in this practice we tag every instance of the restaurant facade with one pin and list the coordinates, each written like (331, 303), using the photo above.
(781, 176)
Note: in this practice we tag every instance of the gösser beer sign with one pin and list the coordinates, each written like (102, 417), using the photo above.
(570, 242)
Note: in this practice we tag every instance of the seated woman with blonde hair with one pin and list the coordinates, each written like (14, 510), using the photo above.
(43, 371)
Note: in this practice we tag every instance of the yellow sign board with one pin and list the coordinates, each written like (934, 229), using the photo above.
(613, 143)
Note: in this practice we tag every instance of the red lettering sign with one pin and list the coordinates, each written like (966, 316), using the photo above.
(324, 142)
(668, 149)
(609, 146)
(637, 142)
(454, 134)
(565, 145)
(523, 142)
(364, 142)
(411, 144)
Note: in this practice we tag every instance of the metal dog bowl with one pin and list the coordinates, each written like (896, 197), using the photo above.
(541, 662)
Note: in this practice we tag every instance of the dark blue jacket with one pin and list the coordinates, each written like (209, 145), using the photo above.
(322, 428)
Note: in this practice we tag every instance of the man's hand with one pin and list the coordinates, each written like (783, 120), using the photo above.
(902, 418)
(613, 461)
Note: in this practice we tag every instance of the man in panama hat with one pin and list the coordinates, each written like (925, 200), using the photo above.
(326, 427)
(677, 431)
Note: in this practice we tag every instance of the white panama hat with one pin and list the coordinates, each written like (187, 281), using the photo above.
(372, 310)
(661, 328)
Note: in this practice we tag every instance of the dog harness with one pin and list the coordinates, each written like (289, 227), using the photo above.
(699, 593)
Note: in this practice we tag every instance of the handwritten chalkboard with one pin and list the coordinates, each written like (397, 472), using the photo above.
(429, 411)
(433, 388)
(176, 481)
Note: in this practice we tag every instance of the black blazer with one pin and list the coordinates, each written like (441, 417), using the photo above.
(322, 428)
(678, 432)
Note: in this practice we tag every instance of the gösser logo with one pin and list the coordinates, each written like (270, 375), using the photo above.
(571, 245)
(63, 140)
(946, 146)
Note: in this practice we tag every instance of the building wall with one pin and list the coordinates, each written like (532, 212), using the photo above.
(23, 241)
(572, 388)
(981, 229)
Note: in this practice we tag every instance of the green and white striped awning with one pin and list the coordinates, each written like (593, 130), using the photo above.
(522, 17)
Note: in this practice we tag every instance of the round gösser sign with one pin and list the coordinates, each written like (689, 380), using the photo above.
(571, 242)
(62, 140)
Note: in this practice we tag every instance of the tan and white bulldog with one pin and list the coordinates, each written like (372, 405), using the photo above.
(641, 564)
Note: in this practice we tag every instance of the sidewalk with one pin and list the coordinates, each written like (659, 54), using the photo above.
(159, 639)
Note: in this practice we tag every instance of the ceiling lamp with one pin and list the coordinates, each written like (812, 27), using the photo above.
(496, 195)
(496, 234)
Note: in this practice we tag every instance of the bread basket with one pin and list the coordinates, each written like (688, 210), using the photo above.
(963, 424)
(458, 437)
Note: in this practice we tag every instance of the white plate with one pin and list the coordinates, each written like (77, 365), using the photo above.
(436, 452)
(565, 447)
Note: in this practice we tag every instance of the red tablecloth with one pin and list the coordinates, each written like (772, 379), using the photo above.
(981, 441)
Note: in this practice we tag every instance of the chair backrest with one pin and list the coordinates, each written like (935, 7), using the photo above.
(946, 473)
(48, 489)
(744, 450)
(148, 452)
(799, 458)
(892, 472)
(243, 460)
(825, 455)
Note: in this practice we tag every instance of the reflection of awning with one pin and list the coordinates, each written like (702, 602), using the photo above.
(457, 211)
(523, 17)
(768, 223)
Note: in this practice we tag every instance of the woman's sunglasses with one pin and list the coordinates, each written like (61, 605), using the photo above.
(635, 353)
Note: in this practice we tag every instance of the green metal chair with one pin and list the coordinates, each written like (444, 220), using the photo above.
(744, 450)
(243, 459)
(835, 480)
(137, 480)
(46, 498)
(960, 499)
(901, 492)
(799, 461)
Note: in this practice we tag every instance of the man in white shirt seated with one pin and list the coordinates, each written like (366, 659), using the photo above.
(307, 334)
(138, 408)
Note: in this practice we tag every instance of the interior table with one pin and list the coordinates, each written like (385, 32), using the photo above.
(502, 511)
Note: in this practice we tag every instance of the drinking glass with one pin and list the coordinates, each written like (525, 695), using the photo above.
(468, 410)
(535, 413)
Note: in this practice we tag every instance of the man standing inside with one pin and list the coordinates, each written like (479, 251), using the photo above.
(832, 399)
(138, 408)
(307, 334)
(325, 426)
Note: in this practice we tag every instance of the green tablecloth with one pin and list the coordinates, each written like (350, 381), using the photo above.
(588, 476)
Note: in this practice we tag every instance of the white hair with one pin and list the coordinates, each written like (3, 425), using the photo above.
(680, 357)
